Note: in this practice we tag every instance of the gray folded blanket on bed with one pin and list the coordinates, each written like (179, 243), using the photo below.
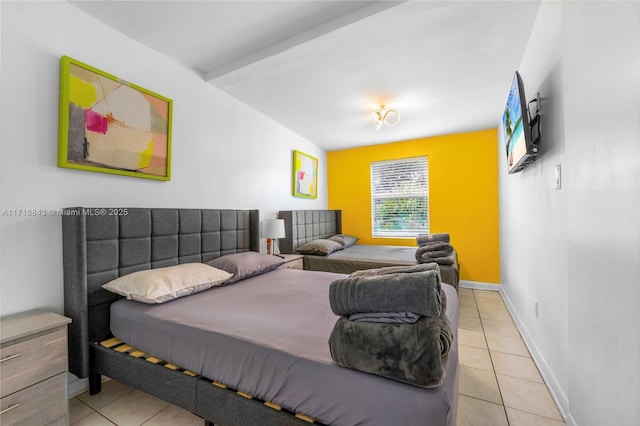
(410, 353)
(435, 248)
(417, 292)
(447, 260)
(386, 317)
(443, 260)
(395, 317)
(438, 252)
(429, 238)
(408, 269)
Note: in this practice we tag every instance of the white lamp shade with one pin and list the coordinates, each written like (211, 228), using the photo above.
(273, 228)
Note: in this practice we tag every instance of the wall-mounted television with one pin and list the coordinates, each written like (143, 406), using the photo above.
(521, 149)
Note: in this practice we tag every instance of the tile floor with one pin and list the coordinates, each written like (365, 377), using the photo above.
(499, 383)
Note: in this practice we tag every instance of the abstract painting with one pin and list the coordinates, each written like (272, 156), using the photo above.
(305, 175)
(109, 125)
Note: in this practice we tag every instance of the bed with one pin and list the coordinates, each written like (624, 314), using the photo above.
(253, 352)
(304, 226)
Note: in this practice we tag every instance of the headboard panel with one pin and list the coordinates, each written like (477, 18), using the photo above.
(302, 226)
(101, 244)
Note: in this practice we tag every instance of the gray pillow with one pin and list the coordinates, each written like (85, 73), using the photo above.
(320, 247)
(344, 239)
(246, 264)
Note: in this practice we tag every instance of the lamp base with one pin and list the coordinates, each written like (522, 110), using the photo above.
(269, 245)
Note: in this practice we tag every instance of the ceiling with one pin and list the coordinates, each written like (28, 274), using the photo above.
(320, 67)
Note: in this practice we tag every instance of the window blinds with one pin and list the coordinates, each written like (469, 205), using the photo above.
(400, 197)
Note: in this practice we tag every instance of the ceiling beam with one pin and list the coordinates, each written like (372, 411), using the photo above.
(370, 8)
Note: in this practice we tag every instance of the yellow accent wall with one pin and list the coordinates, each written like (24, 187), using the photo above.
(463, 194)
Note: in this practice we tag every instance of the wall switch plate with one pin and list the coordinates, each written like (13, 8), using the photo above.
(557, 175)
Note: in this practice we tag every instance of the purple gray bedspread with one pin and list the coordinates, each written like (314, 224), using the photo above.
(268, 336)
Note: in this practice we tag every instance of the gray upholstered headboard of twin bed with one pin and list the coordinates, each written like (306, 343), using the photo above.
(101, 244)
(302, 226)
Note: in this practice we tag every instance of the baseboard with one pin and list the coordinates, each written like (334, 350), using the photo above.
(549, 378)
(477, 285)
(76, 386)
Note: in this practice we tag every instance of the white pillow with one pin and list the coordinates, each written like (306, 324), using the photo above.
(163, 284)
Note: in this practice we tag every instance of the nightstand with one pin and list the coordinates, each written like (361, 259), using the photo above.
(33, 369)
(292, 261)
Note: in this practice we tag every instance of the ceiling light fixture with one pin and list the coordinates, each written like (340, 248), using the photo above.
(390, 117)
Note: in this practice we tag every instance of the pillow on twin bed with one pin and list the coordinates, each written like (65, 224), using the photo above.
(320, 247)
(163, 284)
(246, 264)
(344, 239)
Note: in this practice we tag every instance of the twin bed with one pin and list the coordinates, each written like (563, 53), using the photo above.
(304, 226)
(248, 353)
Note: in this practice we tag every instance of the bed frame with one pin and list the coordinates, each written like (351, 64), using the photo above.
(303, 226)
(101, 244)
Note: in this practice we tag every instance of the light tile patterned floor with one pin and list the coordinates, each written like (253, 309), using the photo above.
(499, 383)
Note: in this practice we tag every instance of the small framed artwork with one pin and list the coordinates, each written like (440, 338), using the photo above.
(109, 125)
(305, 175)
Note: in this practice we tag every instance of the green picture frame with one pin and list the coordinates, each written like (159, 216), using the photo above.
(305, 175)
(109, 125)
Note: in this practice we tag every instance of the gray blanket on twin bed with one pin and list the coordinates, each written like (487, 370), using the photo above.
(429, 238)
(417, 292)
(441, 260)
(410, 353)
(386, 317)
(437, 251)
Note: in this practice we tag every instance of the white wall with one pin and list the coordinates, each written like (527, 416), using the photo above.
(602, 128)
(225, 155)
(533, 243)
(576, 251)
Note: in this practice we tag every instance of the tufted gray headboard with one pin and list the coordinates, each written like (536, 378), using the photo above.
(302, 226)
(101, 244)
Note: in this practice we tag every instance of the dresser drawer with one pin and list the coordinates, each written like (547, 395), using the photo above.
(36, 405)
(32, 361)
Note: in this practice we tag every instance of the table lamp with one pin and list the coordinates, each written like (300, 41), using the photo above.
(272, 230)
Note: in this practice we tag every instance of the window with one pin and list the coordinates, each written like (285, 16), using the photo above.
(400, 197)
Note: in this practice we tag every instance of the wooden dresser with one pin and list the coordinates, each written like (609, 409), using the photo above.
(33, 369)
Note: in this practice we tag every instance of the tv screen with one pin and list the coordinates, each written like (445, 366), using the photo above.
(515, 127)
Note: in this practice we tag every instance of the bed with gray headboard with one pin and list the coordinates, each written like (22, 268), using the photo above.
(304, 226)
(102, 244)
